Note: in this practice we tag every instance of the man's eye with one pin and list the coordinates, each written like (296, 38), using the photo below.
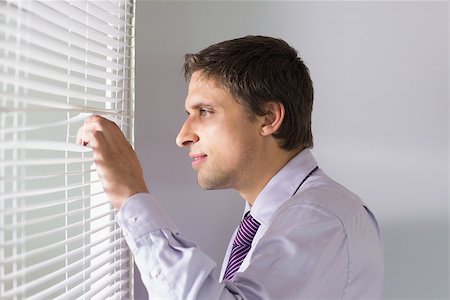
(204, 112)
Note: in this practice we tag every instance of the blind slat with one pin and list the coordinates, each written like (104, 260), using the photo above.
(50, 89)
(36, 221)
(63, 257)
(71, 293)
(96, 12)
(61, 16)
(24, 178)
(50, 105)
(42, 280)
(50, 204)
(112, 8)
(44, 41)
(43, 162)
(80, 288)
(46, 56)
(73, 13)
(118, 290)
(45, 234)
(106, 289)
(73, 239)
(48, 29)
(46, 145)
(78, 118)
(63, 77)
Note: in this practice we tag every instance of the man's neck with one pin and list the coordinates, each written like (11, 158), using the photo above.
(263, 173)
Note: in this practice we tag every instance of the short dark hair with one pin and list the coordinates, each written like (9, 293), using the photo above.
(260, 69)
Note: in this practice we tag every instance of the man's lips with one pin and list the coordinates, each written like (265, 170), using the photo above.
(197, 158)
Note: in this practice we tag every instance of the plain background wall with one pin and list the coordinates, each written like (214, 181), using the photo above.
(380, 121)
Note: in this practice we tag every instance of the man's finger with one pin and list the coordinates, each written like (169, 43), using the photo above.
(90, 124)
(82, 135)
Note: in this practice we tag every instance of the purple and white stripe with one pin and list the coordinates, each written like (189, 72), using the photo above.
(241, 245)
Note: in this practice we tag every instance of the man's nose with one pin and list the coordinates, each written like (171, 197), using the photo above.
(186, 136)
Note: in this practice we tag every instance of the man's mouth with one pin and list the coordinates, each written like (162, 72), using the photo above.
(197, 158)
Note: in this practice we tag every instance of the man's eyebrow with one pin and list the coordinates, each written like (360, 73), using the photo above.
(199, 105)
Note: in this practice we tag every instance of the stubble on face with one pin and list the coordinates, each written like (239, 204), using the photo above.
(214, 181)
(218, 174)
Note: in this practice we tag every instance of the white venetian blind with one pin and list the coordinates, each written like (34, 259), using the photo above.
(61, 61)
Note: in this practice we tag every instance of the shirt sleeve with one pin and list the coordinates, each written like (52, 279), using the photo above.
(171, 267)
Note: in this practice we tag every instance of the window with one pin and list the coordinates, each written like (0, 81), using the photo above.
(61, 61)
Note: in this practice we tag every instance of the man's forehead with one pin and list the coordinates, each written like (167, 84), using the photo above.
(201, 78)
(207, 90)
(196, 99)
(203, 89)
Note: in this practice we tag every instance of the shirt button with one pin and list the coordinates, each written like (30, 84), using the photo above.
(125, 233)
(132, 220)
(154, 274)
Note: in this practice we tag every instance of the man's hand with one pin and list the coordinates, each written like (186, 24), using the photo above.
(117, 165)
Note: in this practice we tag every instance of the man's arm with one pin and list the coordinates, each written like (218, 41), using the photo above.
(117, 165)
(170, 266)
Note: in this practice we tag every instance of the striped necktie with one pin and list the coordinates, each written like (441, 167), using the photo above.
(241, 245)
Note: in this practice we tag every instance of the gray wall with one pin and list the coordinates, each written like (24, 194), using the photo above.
(380, 120)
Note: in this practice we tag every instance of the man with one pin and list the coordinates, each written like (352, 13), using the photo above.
(303, 236)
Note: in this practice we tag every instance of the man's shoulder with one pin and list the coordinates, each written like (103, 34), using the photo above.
(326, 195)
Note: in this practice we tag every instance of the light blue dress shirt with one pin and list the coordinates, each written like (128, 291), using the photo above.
(321, 243)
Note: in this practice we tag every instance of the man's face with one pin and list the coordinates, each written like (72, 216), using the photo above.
(221, 137)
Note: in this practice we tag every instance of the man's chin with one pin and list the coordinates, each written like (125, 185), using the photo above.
(210, 183)
(207, 186)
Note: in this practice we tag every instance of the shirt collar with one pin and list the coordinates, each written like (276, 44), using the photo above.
(282, 186)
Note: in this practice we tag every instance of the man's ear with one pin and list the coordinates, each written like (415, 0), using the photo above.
(273, 118)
